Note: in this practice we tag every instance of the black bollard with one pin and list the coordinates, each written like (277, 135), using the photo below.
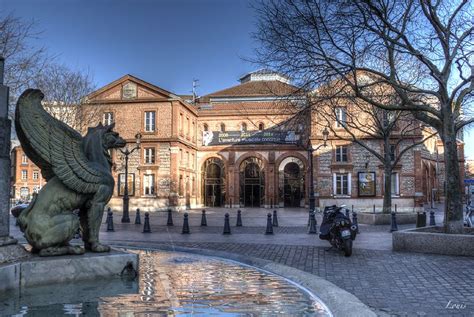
(275, 218)
(146, 225)
(269, 224)
(239, 218)
(347, 214)
(110, 221)
(432, 218)
(354, 220)
(107, 218)
(185, 224)
(203, 218)
(170, 218)
(312, 226)
(420, 219)
(138, 220)
(374, 209)
(309, 219)
(394, 222)
(226, 224)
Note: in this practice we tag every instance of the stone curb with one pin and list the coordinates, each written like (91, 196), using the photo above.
(339, 302)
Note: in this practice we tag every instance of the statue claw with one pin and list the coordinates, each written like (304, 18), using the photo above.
(97, 247)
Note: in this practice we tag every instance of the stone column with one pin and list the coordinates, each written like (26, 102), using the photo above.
(5, 167)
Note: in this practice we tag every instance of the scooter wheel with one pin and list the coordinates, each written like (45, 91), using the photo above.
(348, 247)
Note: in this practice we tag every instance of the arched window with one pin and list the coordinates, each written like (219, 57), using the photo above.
(261, 126)
(243, 127)
(205, 127)
(222, 127)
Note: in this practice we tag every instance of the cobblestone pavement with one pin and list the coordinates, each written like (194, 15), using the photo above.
(391, 283)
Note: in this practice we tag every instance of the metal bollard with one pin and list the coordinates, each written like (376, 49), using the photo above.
(269, 224)
(309, 219)
(203, 218)
(185, 224)
(107, 218)
(138, 220)
(169, 222)
(394, 222)
(347, 214)
(354, 220)
(110, 221)
(432, 218)
(226, 224)
(374, 209)
(239, 218)
(146, 225)
(312, 226)
(275, 218)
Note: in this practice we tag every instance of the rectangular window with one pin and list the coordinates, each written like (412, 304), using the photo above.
(108, 118)
(341, 117)
(24, 159)
(35, 175)
(150, 121)
(341, 153)
(149, 184)
(36, 188)
(188, 127)
(187, 159)
(131, 184)
(395, 184)
(192, 160)
(181, 124)
(342, 184)
(392, 152)
(149, 155)
(24, 174)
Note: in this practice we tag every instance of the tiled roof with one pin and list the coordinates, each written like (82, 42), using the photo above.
(258, 88)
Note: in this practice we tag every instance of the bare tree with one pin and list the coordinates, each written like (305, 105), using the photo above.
(65, 91)
(368, 126)
(23, 61)
(422, 50)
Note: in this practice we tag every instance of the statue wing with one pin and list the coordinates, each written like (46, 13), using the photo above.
(54, 146)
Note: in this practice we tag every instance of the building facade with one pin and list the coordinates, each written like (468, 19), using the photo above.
(26, 176)
(243, 147)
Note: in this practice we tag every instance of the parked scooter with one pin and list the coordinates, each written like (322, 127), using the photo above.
(469, 217)
(338, 229)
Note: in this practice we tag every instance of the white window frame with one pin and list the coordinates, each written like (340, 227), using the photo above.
(341, 117)
(149, 155)
(24, 174)
(35, 175)
(349, 184)
(339, 153)
(150, 121)
(24, 159)
(36, 188)
(24, 192)
(107, 118)
(149, 187)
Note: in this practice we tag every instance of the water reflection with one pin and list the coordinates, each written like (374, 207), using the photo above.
(177, 284)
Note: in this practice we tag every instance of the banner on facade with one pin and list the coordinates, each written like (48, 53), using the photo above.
(249, 137)
(366, 184)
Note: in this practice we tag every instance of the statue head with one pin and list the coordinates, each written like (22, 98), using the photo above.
(110, 139)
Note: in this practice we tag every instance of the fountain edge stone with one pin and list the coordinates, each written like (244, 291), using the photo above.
(47, 270)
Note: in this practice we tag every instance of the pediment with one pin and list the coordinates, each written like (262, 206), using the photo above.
(129, 88)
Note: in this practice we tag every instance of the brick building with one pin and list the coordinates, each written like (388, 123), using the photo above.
(26, 176)
(242, 147)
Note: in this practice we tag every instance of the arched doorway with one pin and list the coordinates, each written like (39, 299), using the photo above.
(213, 176)
(252, 183)
(291, 182)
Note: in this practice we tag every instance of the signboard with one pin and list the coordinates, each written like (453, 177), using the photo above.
(249, 137)
(469, 181)
(366, 184)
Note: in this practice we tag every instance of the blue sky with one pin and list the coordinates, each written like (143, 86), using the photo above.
(165, 42)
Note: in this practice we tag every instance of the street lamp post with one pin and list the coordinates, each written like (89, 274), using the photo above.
(312, 199)
(126, 153)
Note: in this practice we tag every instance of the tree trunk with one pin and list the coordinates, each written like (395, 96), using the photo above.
(387, 191)
(453, 212)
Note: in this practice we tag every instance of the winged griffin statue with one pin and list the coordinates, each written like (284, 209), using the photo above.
(78, 174)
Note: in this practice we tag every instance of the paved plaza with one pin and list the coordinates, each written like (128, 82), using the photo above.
(390, 283)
